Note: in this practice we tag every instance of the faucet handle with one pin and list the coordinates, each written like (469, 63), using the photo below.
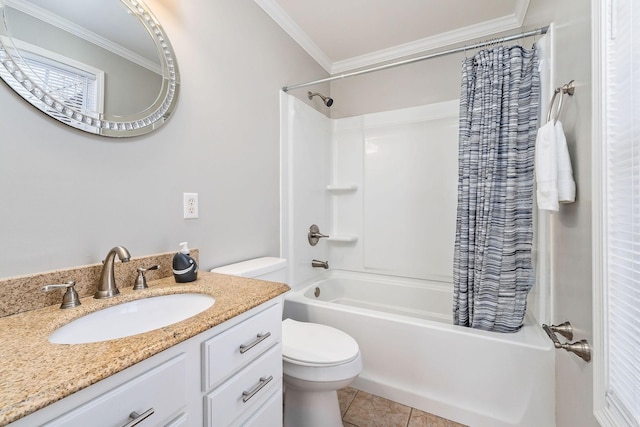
(70, 298)
(141, 281)
(314, 235)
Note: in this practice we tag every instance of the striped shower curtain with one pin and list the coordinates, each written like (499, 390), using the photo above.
(492, 271)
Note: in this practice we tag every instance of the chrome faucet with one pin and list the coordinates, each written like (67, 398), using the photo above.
(107, 286)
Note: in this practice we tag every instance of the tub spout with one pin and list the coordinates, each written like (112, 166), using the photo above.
(323, 264)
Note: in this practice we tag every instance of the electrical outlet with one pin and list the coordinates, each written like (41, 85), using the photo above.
(190, 205)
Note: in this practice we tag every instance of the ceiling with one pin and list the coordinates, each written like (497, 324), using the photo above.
(343, 35)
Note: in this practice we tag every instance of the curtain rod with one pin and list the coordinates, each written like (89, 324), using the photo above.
(537, 31)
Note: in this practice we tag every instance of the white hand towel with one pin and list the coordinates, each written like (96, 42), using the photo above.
(554, 174)
(546, 168)
(566, 184)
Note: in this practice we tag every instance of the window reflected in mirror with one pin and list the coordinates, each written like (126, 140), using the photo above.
(103, 66)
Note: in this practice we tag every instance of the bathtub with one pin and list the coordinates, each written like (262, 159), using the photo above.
(412, 354)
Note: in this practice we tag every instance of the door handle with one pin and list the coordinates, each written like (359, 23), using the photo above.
(580, 348)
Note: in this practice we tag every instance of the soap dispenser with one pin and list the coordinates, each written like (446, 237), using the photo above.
(185, 268)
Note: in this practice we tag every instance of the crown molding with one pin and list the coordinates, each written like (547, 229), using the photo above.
(462, 35)
(273, 9)
(83, 33)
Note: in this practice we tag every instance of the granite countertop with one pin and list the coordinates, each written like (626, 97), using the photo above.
(35, 373)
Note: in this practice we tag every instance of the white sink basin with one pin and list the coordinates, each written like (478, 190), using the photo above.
(131, 318)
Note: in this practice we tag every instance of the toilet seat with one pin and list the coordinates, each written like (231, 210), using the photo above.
(316, 345)
(317, 360)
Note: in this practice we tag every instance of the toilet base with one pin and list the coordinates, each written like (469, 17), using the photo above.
(311, 408)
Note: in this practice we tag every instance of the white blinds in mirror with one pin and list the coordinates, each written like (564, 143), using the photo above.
(78, 89)
(622, 216)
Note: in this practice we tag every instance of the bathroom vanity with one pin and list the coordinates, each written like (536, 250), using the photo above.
(221, 367)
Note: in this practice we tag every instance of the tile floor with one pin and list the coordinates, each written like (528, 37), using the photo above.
(361, 409)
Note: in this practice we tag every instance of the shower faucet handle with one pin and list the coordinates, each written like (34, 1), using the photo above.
(314, 235)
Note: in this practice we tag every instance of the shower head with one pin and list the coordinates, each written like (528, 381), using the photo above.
(327, 101)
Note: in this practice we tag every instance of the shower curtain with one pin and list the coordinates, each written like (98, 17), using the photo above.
(499, 106)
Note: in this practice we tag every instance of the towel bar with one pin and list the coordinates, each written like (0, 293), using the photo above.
(569, 89)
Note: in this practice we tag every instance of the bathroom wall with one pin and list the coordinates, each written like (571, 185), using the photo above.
(67, 197)
(571, 228)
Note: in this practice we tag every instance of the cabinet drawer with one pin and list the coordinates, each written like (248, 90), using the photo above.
(231, 350)
(269, 415)
(162, 389)
(246, 391)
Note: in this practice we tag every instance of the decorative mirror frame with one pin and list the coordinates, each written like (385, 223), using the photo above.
(11, 71)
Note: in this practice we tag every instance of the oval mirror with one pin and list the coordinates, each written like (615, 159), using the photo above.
(102, 66)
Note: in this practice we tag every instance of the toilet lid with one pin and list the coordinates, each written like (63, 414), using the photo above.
(312, 343)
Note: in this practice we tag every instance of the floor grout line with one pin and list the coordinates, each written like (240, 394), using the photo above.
(419, 416)
(349, 406)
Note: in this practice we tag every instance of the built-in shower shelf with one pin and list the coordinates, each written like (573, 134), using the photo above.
(345, 238)
(342, 188)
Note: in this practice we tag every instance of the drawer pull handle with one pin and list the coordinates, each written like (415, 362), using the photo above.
(138, 418)
(246, 395)
(260, 337)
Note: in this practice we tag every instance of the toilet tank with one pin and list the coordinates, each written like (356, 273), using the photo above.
(266, 268)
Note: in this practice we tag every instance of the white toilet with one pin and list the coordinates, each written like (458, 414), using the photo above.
(317, 360)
